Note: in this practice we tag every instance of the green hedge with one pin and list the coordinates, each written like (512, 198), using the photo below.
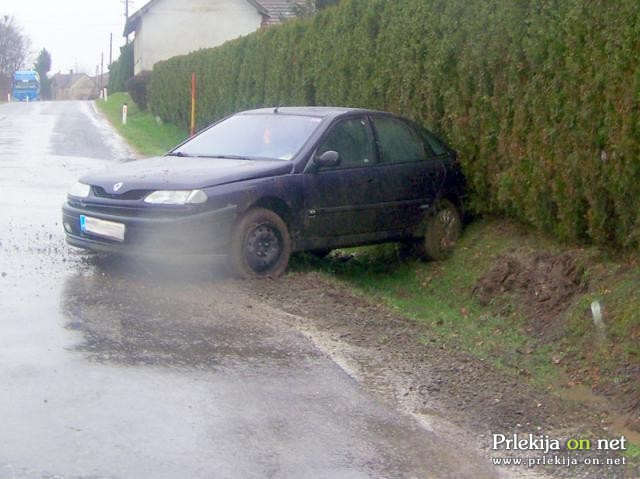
(540, 97)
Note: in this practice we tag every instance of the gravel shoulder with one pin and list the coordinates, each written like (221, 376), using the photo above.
(396, 359)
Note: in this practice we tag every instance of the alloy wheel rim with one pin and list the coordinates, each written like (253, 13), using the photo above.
(448, 226)
(263, 248)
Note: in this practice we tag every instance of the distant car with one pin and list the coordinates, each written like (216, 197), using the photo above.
(261, 184)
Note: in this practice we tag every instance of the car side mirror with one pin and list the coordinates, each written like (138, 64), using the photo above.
(327, 159)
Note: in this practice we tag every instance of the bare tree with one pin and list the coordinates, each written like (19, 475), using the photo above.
(14, 49)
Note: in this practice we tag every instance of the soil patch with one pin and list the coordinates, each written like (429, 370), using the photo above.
(542, 285)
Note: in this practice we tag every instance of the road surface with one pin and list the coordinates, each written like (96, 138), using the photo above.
(113, 369)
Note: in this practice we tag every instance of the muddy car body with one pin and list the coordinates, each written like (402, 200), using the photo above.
(261, 184)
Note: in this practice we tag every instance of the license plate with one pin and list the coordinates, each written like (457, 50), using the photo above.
(104, 228)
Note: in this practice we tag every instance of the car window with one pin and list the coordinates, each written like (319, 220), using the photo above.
(437, 146)
(352, 140)
(269, 136)
(397, 142)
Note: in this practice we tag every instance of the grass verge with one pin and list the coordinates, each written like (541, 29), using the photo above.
(148, 136)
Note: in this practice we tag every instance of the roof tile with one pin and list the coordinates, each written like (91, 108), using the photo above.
(278, 10)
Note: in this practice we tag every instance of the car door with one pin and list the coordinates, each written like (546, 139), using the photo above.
(409, 174)
(339, 201)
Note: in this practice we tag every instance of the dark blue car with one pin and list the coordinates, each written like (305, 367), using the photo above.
(261, 184)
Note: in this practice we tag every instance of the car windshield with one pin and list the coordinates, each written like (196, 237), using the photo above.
(26, 85)
(272, 136)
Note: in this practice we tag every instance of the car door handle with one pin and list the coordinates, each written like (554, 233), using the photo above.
(373, 180)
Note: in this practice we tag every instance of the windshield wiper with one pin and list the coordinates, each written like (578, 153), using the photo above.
(227, 157)
(230, 157)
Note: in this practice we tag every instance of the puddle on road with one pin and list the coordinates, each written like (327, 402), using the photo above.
(583, 394)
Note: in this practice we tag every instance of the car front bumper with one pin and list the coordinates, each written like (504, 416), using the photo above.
(202, 233)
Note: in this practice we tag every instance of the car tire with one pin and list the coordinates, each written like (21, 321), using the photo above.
(441, 232)
(260, 245)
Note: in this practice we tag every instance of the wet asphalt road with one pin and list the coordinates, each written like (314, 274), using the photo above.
(114, 369)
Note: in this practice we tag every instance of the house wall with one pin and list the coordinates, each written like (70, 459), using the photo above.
(176, 27)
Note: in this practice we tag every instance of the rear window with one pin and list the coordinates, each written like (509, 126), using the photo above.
(397, 142)
(434, 143)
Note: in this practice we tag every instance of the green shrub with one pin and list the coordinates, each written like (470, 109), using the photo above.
(540, 98)
(137, 87)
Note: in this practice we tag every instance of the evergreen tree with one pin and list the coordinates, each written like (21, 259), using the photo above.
(43, 66)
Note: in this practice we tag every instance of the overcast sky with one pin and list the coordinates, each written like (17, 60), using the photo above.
(75, 32)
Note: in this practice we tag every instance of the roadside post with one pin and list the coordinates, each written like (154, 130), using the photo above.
(8, 97)
(125, 109)
(192, 130)
(106, 94)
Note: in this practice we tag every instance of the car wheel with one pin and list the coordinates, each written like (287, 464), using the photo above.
(442, 230)
(260, 245)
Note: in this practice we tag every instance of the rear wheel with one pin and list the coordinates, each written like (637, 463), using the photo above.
(260, 245)
(442, 230)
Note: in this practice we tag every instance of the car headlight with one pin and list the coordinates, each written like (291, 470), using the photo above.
(176, 197)
(80, 190)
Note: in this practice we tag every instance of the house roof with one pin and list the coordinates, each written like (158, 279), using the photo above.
(67, 80)
(274, 11)
(134, 20)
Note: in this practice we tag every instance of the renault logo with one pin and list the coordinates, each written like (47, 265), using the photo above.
(117, 186)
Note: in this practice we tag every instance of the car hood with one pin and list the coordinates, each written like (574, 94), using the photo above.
(180, 173)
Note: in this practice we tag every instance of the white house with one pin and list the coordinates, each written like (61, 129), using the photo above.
(166, 28)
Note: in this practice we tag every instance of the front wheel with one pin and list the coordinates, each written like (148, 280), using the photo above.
(442, 230)
(260, 245)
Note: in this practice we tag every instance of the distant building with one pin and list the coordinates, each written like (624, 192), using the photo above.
(74, 86)
(166, 28)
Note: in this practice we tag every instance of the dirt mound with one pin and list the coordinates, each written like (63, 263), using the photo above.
(541, 283)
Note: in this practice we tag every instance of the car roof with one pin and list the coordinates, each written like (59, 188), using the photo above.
(317, 111)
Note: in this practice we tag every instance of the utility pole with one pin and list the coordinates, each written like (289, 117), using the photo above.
(110, 48)
(97, 81)
(101, 70)
(126, 15)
